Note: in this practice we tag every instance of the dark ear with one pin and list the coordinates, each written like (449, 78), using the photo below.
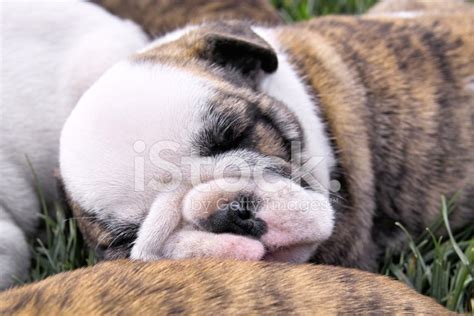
(236, 45)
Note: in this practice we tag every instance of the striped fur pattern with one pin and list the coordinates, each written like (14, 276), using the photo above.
(396, 95)
(158, 17)
(223, 287)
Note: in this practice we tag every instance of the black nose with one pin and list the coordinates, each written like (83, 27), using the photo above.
(237, 217)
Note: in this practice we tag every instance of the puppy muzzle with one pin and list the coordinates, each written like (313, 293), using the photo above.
(237, 217)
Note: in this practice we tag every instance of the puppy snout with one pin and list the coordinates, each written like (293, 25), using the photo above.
(236, 217)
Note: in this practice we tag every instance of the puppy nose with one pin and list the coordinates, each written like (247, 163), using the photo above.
(237, 217)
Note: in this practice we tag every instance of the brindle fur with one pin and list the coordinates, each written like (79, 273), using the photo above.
(393, 94)
(224, 287)
(157, 17)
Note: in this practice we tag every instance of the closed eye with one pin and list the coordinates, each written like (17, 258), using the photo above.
(228, 140)
(223, 135)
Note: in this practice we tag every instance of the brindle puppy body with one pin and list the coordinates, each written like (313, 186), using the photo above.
(396, 96)
(205, 287)
(158, 17)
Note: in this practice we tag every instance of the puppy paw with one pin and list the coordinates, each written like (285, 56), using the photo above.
(198, 244)
(238, 247)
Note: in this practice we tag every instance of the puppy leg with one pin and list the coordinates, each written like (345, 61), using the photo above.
(196, 244)
(14, 252)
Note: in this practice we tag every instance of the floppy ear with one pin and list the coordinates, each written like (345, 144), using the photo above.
(237, 46)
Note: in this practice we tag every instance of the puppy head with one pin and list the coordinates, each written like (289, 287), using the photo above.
(174, 153)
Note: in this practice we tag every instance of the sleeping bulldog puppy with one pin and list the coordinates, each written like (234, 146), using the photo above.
(51, 53)
(291, 143)
(202, 287)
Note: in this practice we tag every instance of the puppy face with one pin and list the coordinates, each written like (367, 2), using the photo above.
(174, 154)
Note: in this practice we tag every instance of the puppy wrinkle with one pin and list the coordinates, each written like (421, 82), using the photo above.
(251, 123)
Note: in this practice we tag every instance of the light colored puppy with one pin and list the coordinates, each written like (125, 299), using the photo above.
(51, 53)
(412, 8)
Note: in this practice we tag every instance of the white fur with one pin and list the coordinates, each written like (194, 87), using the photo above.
(156, 105)
(52, 52)
(169, 37)
(469, 84)
(285, 85)
(400, 14)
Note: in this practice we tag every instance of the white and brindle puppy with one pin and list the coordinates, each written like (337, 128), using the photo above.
(51, 53)
(229, 140)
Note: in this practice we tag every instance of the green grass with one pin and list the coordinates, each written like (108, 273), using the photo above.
(61, 247)
(298, 10)
(442, 268)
